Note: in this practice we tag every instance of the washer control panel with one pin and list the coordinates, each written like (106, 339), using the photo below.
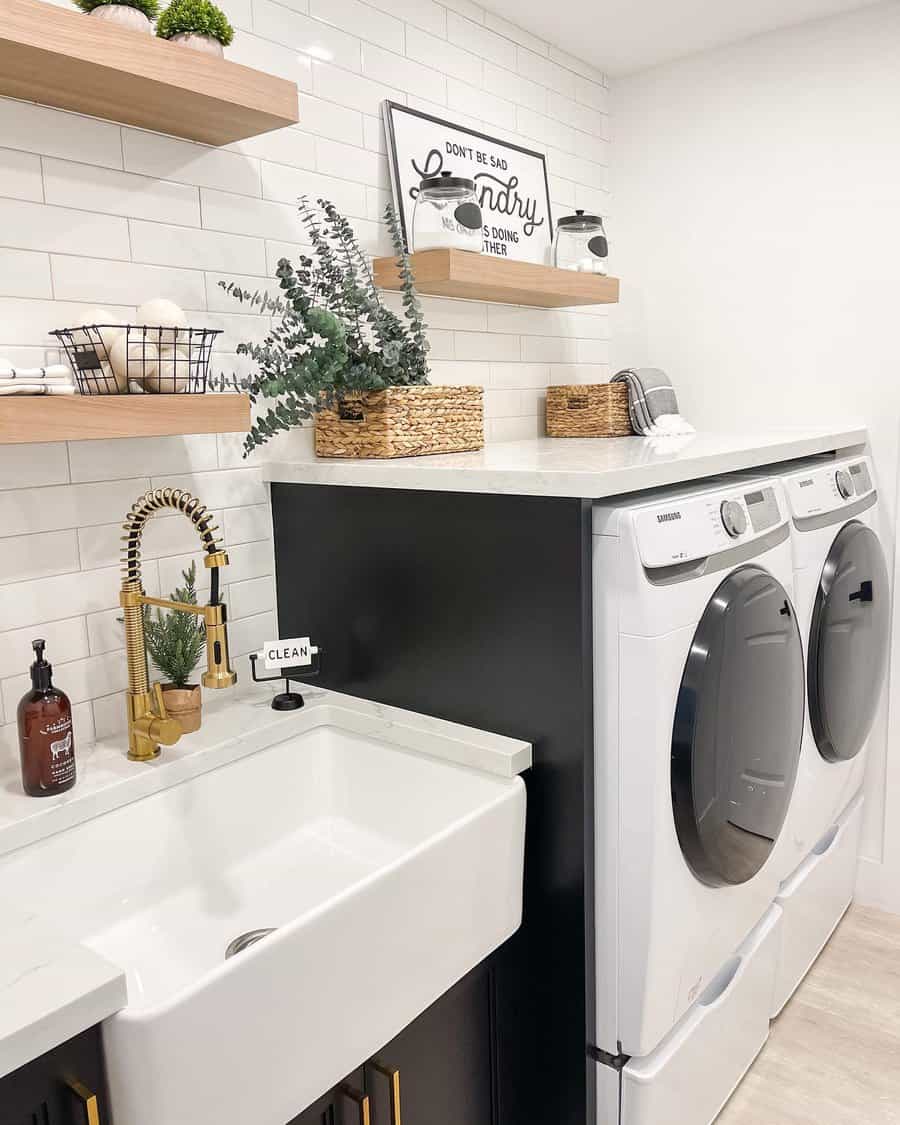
(695, 527)
(829, 487)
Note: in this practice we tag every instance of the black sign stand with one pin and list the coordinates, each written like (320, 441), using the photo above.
(287, 700)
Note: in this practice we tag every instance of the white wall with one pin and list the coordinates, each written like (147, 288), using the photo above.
(94, 213)
(756, 203)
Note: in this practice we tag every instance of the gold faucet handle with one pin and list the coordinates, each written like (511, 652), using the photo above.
(159, 695)
(162, 728)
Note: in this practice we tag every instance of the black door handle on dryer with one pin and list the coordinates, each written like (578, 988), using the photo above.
(865, 593)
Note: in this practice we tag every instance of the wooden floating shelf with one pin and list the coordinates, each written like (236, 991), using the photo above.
(72, 61)
(26, 418)
(481, 277)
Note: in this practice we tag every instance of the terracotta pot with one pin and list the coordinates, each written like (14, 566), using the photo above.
(196, 42)
(124, 16)
(183, 704)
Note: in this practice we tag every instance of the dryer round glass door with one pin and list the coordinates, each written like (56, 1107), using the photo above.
(738, 728)
(848, 643)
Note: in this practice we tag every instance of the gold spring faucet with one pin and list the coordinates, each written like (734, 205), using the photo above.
(149, 725)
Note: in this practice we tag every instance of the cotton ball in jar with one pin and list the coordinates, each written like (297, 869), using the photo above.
(133, 358)
(173, 373)
(162, 314)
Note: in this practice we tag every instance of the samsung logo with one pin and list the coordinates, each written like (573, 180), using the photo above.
(667, 517)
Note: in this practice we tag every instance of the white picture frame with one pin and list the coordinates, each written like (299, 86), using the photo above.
(511, 182)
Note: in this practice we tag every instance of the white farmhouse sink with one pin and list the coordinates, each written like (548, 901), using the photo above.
(387, 875)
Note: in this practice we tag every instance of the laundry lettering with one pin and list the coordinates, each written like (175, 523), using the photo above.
(495, 194)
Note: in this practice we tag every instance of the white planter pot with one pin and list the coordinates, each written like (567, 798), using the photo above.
(197, 42)
(124, 16)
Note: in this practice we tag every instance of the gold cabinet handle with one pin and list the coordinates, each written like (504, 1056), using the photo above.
(393, 1077)
(361, 1101)
(86, 1100)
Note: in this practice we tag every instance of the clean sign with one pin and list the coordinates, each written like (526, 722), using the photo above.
(295, 652)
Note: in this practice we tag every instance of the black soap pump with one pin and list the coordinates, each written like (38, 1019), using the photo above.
(46, 739)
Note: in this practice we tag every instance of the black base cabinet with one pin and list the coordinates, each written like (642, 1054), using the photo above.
(66, 1086)
(437, 1071)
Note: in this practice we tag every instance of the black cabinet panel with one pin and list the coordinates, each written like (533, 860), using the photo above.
(445, 1061)
(38, 1093)
(443, 1064)
(336, 1107)
(477, 609)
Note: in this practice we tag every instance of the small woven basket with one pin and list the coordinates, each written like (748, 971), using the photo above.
(592, 410)
(403, 422)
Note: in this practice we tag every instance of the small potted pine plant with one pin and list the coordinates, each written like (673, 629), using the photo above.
(136, 15)
(198, 24)
(336, 354)
(175, 643)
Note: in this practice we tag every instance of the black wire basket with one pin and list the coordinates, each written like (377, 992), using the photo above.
(120, 359)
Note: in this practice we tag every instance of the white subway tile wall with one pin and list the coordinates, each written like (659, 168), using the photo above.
(93, 213)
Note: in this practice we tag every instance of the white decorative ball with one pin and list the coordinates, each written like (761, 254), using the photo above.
(108, 335)
(160, 313)
(173, 372)
(134, 359)
(105, 381)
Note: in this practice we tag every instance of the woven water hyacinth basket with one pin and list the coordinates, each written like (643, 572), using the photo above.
(403, 422)
(593, 410)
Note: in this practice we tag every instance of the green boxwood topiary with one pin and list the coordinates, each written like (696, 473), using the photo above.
(150, 8)
(199, 16)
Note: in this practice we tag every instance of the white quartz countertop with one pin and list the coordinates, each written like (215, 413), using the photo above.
(52, 988)
(590, 468)
(235, 724)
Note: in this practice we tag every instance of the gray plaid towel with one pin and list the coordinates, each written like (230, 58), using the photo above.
(651, 401)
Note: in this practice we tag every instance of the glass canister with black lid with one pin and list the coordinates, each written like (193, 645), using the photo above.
(580, 244)
(447, 215)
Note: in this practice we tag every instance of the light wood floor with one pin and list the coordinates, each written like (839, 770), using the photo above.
(833, 1057)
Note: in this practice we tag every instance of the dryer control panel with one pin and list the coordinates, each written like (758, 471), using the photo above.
(693, 527)
(829, 487)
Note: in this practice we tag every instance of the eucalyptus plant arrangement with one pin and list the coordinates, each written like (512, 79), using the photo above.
(175, 641)
(200, 17)
(150, 8)
(331, 334)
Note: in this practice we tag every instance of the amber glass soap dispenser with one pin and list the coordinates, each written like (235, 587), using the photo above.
(46, 741)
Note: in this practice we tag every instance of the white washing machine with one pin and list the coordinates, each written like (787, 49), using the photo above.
(843, 605)
(699, 712)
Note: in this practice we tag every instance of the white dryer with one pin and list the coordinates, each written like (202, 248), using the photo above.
(699, 712)
(843, 604)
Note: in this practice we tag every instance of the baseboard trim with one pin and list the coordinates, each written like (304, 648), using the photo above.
(877, 885)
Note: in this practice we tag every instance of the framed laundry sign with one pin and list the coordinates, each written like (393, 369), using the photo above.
(510, 181)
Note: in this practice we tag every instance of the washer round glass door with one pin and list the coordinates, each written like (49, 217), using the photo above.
(848, 643)
(738, 728)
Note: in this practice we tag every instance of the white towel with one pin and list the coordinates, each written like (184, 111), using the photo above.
(652, 404)
(55, 373)
(20, 388)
